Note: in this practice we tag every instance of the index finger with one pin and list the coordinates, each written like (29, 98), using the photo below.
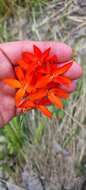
(14, 49)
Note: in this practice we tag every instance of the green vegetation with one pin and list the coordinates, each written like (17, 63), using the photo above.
(8, 7)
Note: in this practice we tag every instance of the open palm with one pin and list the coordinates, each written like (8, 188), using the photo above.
(13, 51)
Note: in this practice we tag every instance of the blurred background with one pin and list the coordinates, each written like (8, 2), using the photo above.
(37, 153)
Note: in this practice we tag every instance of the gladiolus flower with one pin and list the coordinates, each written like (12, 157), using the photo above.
(38, 80)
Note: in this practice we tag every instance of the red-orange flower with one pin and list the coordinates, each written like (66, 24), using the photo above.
(38, 80)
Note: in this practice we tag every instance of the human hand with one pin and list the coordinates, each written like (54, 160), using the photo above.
(13, 50)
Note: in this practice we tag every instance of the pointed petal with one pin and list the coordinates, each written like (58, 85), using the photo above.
(62, 70)
(66, 67)
(28, 78)
(52, 58)
(45, 111)
(60, 93)
(37, 51)
(46, 53)
(20, 93)
(55, 100)
(63, 80)
(19, 73)
(12, 82)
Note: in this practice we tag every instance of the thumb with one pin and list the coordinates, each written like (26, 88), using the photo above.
(7, 109)
(6, 70)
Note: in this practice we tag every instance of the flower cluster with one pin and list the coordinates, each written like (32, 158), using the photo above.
(38, 81)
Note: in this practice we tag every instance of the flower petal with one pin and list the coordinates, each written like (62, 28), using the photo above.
(44, 101)
(39, 94)
(44, 110)
(60, 92)
(37, 51)
(20, 93)
(52, 58)
(19, 73)
(62, 70)
(22, 64)
(46, 53)
(12, 82)
(43, 81)
(63, 80)
(55, 100)
(27, 104)
(27, 56)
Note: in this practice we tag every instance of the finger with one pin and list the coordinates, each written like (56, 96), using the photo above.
(71, 87)
(7, 109)
(14, 49)
(74, 72)
(6, 69)
(6, 89)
